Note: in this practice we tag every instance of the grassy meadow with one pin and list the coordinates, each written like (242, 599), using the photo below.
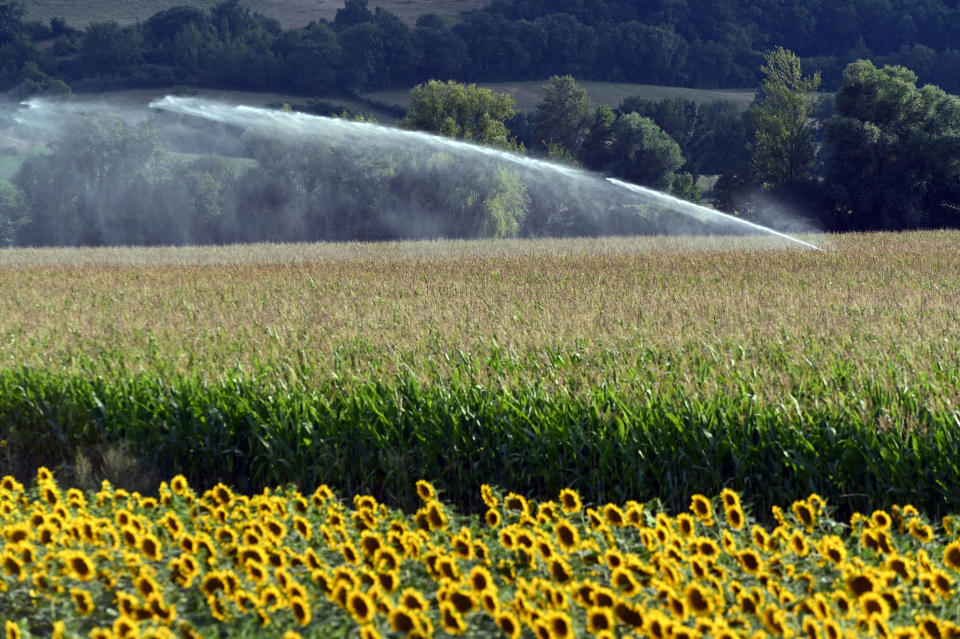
(626, 368)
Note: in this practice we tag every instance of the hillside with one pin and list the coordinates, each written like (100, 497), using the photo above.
(290, 13)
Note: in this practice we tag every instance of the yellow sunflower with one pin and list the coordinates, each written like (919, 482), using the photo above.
(301, 610)
(360, 606)
(951, 555)
(509, 625)
(83, 601)
(570, 501)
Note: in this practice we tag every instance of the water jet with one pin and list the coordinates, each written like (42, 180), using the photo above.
(589, 186)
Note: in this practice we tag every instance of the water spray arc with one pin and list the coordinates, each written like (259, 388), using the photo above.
(696, 210)
(592, 186)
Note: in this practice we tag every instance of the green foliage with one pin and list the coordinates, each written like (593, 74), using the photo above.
(596, 151)
(369, 437)
(562, 117)
(35, 82)
(465, 112)
(643, 153)
(712, 135)
(784, 146)
(895, 150)
(684, 186)
(676, 43)
(90, 186)
(627, 367)
(107, 47)
(11, 213)
(506, 205)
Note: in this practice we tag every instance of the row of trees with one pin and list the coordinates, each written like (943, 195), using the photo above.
(882, 153)
(703, 43)
(664, 145)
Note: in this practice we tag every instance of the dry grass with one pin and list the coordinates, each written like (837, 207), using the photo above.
(768, 315)
(290, 13)
(529, 93)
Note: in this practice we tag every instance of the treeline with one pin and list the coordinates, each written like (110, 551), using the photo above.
(698, 43)
(882, 153)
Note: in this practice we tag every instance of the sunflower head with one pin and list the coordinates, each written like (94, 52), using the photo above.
(570, 501)
(951, 555)
(488, 496)
(360, 606)
(425, 491)
(701, 508)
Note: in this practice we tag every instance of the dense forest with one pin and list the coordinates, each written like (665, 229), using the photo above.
(879, 149)
(696, 43)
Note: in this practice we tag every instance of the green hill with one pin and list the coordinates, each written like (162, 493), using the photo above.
(290, 13)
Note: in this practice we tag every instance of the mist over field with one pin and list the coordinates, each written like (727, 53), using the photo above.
(188, 171)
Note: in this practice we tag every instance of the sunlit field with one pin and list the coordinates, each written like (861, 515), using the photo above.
(654, 437)
(625, 368)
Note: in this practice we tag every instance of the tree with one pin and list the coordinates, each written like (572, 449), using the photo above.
(637, 52)
(36, 82)
(496, 49)
(465, 112)
(93, 188)
(506, 204)
(12, 214)
(561, 118)
(400, 54)
(362, 56)
(643, 153)
(569, 47)
(720, 142)
(107, 47)
(11, 20)
(784, 146)
(310, 58)
(17, 52)
(354, 12)
(442, 53)
(596, 152)
(894, 151)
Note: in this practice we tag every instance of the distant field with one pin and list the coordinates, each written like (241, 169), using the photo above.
(529, 93)
(142, 97)
(290, 13)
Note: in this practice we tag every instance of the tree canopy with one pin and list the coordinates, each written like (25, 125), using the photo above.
(462, 111)
(894, 150)
(784, 144)
(562, 117)
(716, 44)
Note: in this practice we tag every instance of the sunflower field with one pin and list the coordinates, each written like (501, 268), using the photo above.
(113, 564)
